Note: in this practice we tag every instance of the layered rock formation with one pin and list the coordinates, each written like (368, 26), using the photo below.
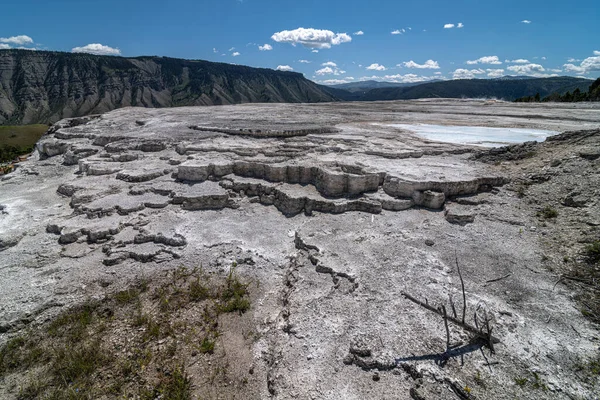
(42, 86)
(329, 214)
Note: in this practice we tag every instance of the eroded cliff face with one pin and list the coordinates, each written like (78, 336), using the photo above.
(40, 86)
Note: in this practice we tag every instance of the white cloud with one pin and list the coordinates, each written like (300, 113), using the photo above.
(235, 54)
(304, 61)
(215, 50)
(396, 32)
(315, 51)
(97, 48)
(231, 49)
(376, 67)
(596, 53)
(556, 70)
(337, 81)
(466, 73)
(399, 78)
(526, 69)
(359, 33)
(495, 73)
(329, 64)
(518, 61)
(265, 47)
(328, 70)
(18, 40)
(526, 21)
(460, 25)
(325, 71)
(4, 46)
(429, 64)
(448, 26)
(286, 68)
(590, 64)
(311, 38)
(485, 60)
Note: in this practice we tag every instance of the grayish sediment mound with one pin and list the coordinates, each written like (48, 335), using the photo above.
(332, 215)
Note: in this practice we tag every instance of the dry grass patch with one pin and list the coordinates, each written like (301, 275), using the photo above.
(157, 339)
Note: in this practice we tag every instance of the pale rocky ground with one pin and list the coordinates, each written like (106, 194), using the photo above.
(332, 217)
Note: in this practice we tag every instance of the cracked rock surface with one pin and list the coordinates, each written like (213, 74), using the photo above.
(335, 214)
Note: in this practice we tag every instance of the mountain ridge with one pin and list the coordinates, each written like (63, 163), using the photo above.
(44, 86)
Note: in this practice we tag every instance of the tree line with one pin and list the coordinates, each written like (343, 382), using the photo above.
(593, 94)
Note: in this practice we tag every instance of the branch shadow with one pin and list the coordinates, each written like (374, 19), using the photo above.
(442, 358)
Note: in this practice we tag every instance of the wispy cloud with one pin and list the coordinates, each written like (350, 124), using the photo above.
(329, 64)
(359, 33)
(590, 64)
(17, 40)
(526, 21)
(518, 61)
(462, 73)
(265, 47)
(526, 69)
(485, 60)
(311, 38)
(429, 64)
(285, 68)
(376, 67)
(304, 61)
(97, 48)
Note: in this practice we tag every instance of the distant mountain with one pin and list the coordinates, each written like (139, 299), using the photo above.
(364, 86)
(507, 88)
(42, 86)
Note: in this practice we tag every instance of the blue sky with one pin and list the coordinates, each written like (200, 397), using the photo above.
(403, 41)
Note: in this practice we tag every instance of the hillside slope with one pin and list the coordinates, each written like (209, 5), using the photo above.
(506, 88)
(41, 86)
(481, 88)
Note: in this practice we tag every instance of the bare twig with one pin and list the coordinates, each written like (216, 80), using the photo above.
(497, 279)
(452, 305)
(462, 284)
(465, 326)
(447, 329)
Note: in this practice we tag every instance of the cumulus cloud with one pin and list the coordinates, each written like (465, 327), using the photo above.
(400, 31)
(17, 40)
(315, 51)
(376, 67)
(519, 61)
(286, 68)
(4, 46)
(97, 48)
(448, 26)
(462, 73)
(328, 70)
(304, 61)
(329, 64)
(235, 54)
(265, 47)
(485, 60)
(359, 33)
(460, 25)
(311, 38)
(590, 64)
(526, 69)
(495, 73)
(526, 21)
(429, 64)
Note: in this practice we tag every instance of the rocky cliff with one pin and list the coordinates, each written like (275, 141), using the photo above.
(41, 86)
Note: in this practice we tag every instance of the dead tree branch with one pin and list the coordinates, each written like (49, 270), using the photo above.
(469, 328)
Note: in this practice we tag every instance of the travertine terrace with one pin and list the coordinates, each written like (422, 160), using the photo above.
(333, 213)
